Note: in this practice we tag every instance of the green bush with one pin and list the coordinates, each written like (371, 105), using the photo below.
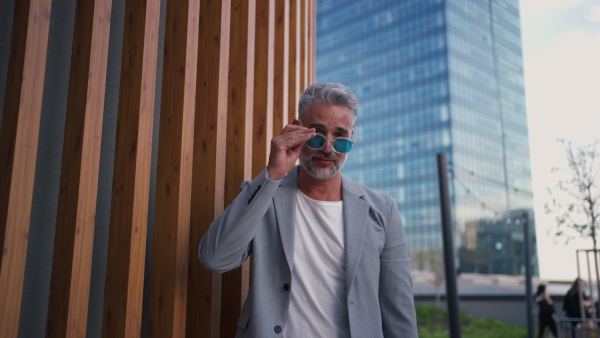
(432, 323)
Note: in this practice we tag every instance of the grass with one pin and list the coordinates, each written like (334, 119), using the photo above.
(432, 324)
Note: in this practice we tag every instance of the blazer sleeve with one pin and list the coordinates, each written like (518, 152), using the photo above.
(227, 243)
(395, 282)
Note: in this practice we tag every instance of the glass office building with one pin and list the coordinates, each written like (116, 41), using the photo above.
(437, 76)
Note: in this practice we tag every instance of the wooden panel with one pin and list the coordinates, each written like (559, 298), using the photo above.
(281, 62)
(18, 149)
(239, 144)
(74, 239)
(170, 252)
(294, 60)
(208, 176)
(124, 286)
(263, 85)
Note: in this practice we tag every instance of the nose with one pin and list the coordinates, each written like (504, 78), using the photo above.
(328, 147)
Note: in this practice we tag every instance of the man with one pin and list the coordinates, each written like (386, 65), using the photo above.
(329, 255)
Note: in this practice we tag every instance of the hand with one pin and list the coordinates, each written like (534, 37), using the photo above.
(285, 150)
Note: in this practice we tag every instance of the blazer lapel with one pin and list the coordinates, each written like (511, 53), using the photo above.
(285, 210)
(355, 211)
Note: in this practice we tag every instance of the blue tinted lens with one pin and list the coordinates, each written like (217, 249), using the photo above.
(339, 145)
(342, 145)
(316, 142)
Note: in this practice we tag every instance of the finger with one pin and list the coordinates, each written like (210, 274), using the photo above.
(291, 127)
(288, 134)
(304, 131)
(294, 138)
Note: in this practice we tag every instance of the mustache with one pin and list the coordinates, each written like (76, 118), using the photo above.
(329, 156)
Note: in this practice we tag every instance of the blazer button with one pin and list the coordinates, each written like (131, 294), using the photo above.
(277, 329)
(286, 287)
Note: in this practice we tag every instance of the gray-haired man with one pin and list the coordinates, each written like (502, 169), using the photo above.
(329, 255)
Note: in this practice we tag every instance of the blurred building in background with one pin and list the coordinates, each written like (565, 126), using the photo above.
(438, 76)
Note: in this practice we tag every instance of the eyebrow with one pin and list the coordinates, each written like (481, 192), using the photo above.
(322, 126)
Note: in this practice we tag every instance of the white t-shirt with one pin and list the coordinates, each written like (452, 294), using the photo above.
(318, 306)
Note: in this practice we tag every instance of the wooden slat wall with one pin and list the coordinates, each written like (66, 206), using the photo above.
(304, 58)
(18, 150)
(281, 76)
(208, 176)
(294, 89)
(263, 84)
(174, 173)
(232, 72)
(312, 41)
(238, 164)
(122, 314)
(74, 239)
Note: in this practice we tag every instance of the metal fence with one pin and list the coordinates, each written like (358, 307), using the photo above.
(577, 328)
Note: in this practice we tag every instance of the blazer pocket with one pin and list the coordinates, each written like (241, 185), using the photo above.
(244, 319)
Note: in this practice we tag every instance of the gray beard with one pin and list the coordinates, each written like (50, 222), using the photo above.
(321, 173)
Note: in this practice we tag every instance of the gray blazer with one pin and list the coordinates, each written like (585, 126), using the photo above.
(261, 222)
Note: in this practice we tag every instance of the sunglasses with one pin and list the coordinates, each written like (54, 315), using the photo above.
(340, 145)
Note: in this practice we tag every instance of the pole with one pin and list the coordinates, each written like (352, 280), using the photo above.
(595, 263)
(451, 294)
(587, 258)
(580, 291)
(597, 284)
(528, 291)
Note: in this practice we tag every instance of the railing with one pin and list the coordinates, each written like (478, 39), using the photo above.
(577, 327)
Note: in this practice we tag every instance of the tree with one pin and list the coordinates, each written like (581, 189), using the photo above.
(436, 263)
(577, 209)
(432, 261)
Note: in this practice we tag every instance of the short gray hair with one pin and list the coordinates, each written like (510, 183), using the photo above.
(330, 93)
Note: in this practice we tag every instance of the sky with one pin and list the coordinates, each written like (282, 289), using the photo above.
(561, 55)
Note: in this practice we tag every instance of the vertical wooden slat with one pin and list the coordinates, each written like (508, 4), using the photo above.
(74, 239)
(294, 61)
(122, 315)
(239, 140)
(310, 46)
(304, 60)
(168, 291)
(312, 36)
(298, 40)
(263, 85)
(281, 75)
(18, 150)
(208, 176)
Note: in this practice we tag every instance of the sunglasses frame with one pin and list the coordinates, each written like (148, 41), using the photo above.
(332, 143)
(352, 139)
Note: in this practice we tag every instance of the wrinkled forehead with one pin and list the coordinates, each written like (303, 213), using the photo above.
(319, 106)
(332, 115)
